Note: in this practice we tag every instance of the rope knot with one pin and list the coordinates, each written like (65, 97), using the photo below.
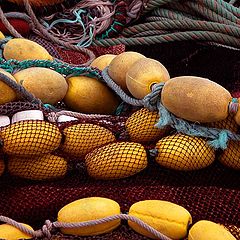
(151, 100)
(52, 117)
(47, 228)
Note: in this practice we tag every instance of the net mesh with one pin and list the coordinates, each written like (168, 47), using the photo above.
(26, 138)
(230, 157)
(210, 193)
(37, 168)
(141, 126)
(81, 139)
(117, 160)
(182, 152)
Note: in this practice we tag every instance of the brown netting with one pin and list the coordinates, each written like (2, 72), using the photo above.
(211, 193)
(229, 123)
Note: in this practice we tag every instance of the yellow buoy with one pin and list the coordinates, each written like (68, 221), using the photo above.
(116, 160)
(119, 66)
(102, 61)
(196, 99)
(45, 84)
(44, 167)
(24, 49)
(31, 137)
(87, 209)
(229, 123)
(81, 139)
(10, 232)
(207, 230)
(141, 126)
(7, 94)
(89, 95)
(230, 157)
(143, 74)
(1, 35)
(182, 152)
(168, 218)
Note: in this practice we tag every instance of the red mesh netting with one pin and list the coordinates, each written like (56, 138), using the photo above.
(212, 193)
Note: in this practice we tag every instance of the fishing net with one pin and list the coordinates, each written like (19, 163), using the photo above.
(54, 178)
(48, 164)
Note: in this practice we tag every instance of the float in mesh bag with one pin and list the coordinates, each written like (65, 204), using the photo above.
(67, 171)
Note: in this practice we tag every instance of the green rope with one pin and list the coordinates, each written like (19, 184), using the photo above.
(172, 14)
(209, 14)
(171, 37)
(60, 67)
(151, 4)
(183, 24)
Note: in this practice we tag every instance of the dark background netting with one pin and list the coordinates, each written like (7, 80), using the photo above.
(212, 193)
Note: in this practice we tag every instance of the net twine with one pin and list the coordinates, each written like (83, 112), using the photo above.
(218, 137)
(49, 226)
(214, 21)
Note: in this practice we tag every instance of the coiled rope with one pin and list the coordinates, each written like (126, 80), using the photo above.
(213, 21)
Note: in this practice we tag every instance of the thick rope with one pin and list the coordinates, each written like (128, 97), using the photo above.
(134, 9)
(18, 15)
(218, 137)
(48, 227)
(209, 14)
(183, 24)
(46, 34)
(171, 37)
(8, 25)
(118, 90)
(53, 116)
(151, 4)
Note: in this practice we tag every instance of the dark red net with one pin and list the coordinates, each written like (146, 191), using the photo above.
(212, 193)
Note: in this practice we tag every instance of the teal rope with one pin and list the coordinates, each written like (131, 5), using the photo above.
(171, 37)
(151, 4)
(229, 6)
(209, 14)
(172, 14)
(219, 138)
(220, 10)
(60, 67)
(183, 24)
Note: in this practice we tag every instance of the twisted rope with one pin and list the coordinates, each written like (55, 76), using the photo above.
(45, 34)
(151, 4)
(53, 116)
(8, 25)
(218, 137)
(49, 226)
(183, 24)
(171, 37)
(60, 67)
